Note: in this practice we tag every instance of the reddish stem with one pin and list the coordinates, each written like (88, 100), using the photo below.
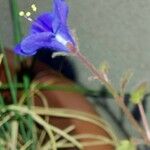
(144, 120)
(101, 78)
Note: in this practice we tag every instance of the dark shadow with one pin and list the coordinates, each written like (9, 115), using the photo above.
(60, 64)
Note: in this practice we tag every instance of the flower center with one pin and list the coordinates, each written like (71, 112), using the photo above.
(61, 40)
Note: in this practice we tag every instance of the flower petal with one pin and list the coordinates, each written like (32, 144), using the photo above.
(19, 51)
(60, 8)
(64, 32)
(33, 42)
(57, 46)
(43, 23)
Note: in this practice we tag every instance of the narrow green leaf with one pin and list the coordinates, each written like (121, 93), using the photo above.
(15, 20)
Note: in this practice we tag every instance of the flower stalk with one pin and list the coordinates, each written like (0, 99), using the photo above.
(100, 76)
(144, 120)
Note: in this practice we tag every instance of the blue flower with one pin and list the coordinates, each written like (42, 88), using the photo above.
(49, 30)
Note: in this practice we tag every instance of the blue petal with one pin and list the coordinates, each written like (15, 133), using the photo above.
(65, 33)
(60, 8)
(55, 25)
(19, 51)
(33, 42)
(57, 46)
(43, 23)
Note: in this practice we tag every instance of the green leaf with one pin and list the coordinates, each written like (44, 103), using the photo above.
(126, 145)
(138, 94)
(15, 20)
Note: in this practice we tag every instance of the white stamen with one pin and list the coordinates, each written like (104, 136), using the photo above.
(34, 8)
(61, 39)
(21, 13)
(28, 14)
(28, 18)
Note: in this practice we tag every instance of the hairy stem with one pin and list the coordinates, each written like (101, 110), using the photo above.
(119, 100)
(144, 120)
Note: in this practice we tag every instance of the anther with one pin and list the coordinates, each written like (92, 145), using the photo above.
(34, 8)
(28, 14)
(21, 13)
